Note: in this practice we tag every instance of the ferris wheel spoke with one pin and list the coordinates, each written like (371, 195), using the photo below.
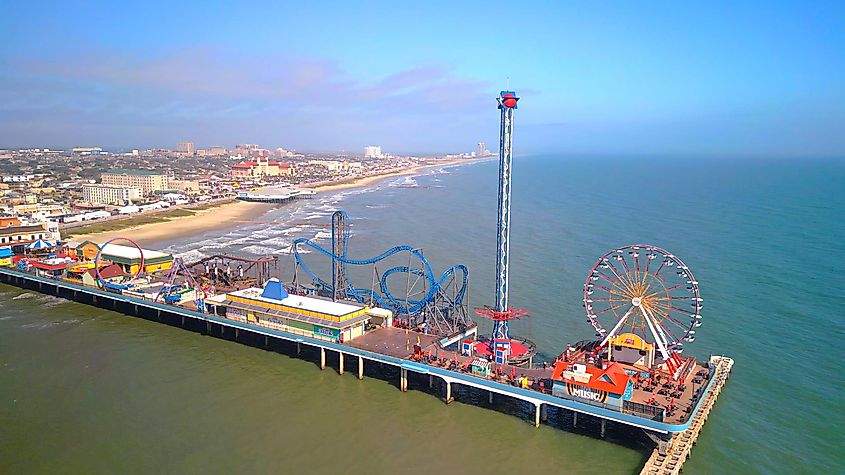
(672, 307)
(622, 280)
(608, 299)
(665, 290)
(669, 317)
(613, 308)
(615, 283)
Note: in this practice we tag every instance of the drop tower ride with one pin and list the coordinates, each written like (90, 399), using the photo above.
(502, 345)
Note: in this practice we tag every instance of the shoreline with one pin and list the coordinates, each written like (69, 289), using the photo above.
(218, 217)
(239, 212)
(369, 180)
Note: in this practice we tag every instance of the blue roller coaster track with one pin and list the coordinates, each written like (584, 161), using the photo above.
(384, 297)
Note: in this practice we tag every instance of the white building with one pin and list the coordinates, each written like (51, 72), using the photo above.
(372, 151)
(99, 193)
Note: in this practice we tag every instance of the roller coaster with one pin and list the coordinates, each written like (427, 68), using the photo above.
(434, 304)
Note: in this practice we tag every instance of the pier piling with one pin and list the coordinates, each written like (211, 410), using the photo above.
(490, 397)
(360, 367)
(322, 357)
(448, 392)
(544, 412)
(340, 363)
(603, 422)
(574, 419)
(403, 380)
(537, 415)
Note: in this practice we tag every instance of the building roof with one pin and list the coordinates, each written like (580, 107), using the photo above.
(132, 172)
(300, 302)
(614, 379)
(130, 252)
(15, 230)
(108, 272)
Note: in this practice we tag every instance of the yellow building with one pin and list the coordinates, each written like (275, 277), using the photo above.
(127, 257)
(273, 307)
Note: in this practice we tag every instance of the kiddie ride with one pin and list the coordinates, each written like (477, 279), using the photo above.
(173, 292)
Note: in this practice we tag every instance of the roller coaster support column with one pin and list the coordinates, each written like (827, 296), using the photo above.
(507, 104)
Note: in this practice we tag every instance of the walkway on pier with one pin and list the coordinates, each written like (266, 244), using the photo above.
(680, 445)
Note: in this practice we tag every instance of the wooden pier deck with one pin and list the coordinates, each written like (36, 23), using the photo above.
(679, 448)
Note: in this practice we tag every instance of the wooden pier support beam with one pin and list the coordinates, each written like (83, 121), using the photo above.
(430, 381)
(544, 412)
(237, 332)
(403, 380)
(183, 320)
(322, 358)
(603, 422)
(537, 414)
(449, 397)
(298, 349)
(490, 397)
(340, 363)
(360, 367)
(574, 419)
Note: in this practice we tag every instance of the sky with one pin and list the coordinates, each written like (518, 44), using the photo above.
(595, 78)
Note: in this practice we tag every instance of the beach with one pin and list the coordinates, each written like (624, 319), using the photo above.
(236, 212)
(368, 180)
(218, 217)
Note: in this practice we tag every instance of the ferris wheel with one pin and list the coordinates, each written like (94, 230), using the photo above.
(645, 290)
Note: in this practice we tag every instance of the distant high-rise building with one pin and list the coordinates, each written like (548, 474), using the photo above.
(481, 150)
(185, 147)
(372, 151)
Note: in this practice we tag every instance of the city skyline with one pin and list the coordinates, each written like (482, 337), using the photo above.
(699, 80)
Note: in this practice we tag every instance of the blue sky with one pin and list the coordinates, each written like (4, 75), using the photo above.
(730, 79)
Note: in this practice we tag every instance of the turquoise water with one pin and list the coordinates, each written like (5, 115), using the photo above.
(88, 390)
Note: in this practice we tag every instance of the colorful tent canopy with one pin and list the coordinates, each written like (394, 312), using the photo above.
(40, 244)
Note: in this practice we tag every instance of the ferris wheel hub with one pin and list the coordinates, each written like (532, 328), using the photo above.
(636, 301)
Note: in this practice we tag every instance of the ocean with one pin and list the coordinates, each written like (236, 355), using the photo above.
(86, 390)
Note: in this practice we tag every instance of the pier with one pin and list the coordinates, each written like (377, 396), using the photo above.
(669, 458)
(674, 439)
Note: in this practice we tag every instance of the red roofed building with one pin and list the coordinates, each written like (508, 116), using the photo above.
(111, 273)
(260, 167)
(577, 381)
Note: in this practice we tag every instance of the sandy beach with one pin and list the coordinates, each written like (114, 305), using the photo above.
(368, 180)
(237, 212)
(219, 217)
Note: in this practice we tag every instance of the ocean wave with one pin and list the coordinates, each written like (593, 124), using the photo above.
(25, 295)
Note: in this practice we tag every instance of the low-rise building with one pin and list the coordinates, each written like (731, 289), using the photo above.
(260, 167)
(273, 307)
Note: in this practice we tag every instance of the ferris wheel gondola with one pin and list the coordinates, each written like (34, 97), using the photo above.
(643, 289)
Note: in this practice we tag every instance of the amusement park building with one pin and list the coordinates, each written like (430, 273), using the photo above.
(273, 307)
(260, 167)
(611, 385)
(127, 257)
